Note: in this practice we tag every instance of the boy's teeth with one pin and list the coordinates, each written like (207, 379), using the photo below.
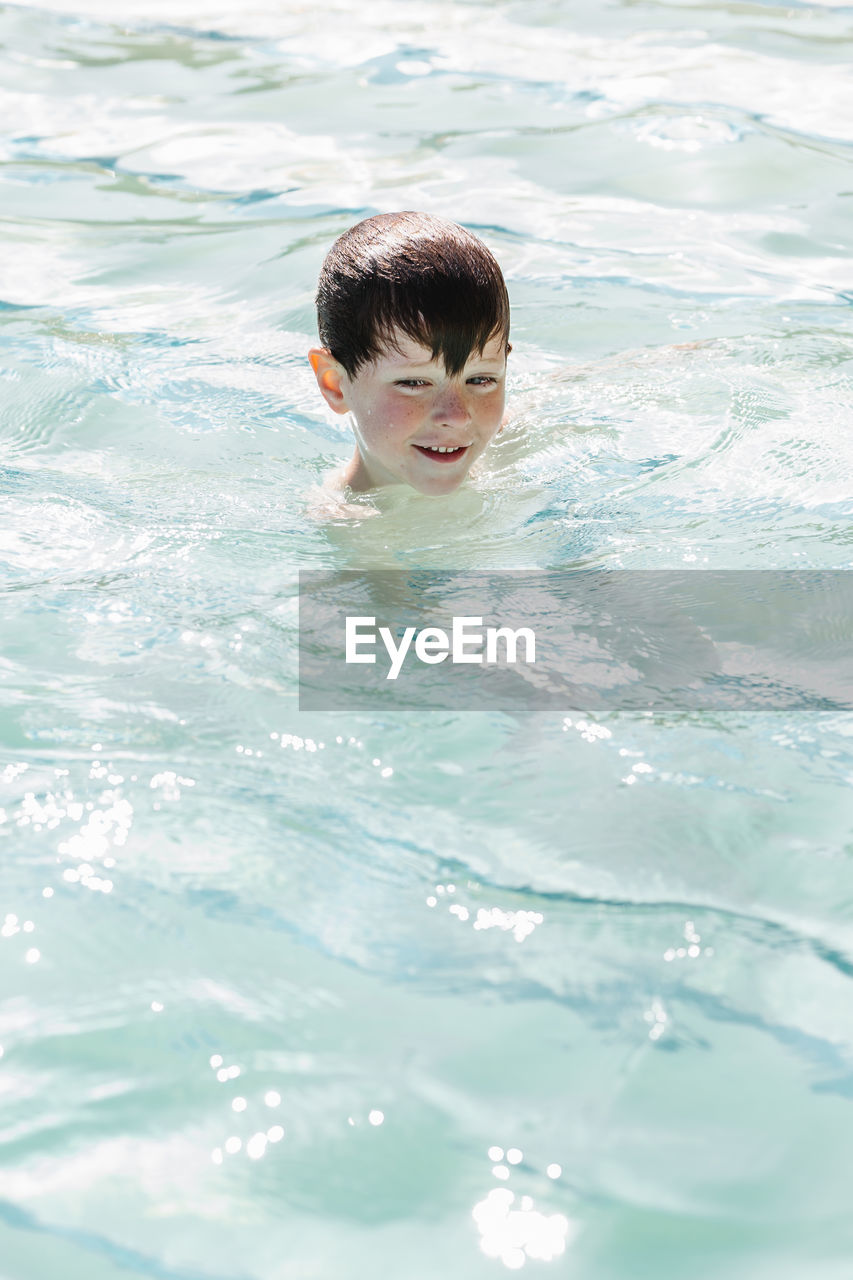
(441, 448)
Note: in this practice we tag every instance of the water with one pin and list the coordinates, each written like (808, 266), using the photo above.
(601, 965)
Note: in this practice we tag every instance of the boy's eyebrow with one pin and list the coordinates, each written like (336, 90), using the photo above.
(414, 362)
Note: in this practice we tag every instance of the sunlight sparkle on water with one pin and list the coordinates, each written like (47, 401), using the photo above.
(519, 923)
(517, 1235)
(658, 1018)
(256, 1146)
(690, 952)
(588, 729)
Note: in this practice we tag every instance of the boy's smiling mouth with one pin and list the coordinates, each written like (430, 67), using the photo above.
(442, 452)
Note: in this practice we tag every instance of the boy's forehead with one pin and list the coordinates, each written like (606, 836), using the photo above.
(399, 348)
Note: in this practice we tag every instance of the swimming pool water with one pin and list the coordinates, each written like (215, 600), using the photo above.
(314, 994)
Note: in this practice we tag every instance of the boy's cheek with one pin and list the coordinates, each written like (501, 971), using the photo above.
(396, 422)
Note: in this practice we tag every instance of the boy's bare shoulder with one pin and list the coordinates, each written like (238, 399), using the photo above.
(333, 500)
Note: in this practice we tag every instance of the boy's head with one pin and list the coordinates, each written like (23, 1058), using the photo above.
(413, 315)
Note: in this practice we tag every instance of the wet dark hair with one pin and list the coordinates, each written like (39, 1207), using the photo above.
(415, 273)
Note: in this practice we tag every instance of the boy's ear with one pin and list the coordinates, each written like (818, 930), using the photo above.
(328, 373)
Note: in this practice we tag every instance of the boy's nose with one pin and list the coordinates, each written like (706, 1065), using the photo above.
(450, 407)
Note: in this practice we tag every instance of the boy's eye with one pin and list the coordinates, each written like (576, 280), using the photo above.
(478, 380)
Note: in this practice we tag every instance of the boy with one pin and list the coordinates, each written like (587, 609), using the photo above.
(413, 315)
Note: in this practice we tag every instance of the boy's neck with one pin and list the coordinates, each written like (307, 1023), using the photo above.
(356, 476)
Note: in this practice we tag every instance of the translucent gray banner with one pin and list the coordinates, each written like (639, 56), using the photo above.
(591, 640)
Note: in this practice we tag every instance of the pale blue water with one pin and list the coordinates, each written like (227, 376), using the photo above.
(293, 995)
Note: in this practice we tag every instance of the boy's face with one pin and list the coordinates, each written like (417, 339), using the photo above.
(406, 407)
